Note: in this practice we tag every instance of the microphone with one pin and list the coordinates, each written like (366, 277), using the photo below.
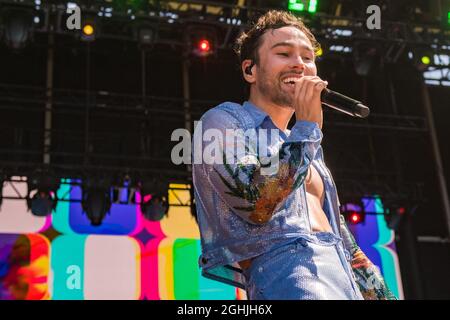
(344, 104)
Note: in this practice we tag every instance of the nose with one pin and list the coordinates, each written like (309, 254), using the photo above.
(298, 63)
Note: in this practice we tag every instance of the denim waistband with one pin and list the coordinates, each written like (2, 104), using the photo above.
(319, 238)
(227, 254)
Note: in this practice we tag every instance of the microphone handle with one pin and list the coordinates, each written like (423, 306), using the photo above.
(344, 104)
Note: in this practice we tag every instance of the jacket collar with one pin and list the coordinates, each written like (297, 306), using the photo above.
(259, 115)
(256, 113)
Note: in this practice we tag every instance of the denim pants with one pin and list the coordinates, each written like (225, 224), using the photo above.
(303, 269)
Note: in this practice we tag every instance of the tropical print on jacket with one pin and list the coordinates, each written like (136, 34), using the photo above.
(368, 276)
(263, 197)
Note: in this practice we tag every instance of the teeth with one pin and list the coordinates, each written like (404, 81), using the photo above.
(287, 80)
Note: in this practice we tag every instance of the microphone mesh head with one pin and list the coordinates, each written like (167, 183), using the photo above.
(362, 111)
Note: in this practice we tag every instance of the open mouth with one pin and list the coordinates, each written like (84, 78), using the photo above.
(291, 81)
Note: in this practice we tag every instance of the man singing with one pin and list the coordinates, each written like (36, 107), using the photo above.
(274, 227)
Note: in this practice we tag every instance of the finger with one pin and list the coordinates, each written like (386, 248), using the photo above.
(303, 90)
(302, 87)
(320, 85)
(298, 88)
(318, 88)
(310, 91)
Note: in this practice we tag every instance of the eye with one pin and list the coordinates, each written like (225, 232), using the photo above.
(307, 58)
(285, 54)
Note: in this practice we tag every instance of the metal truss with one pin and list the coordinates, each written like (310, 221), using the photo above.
(176, 201)
(232, 18)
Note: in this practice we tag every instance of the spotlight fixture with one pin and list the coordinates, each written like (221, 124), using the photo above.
(204, 46)
(154, 199)
(42, 187)
(145, 34)
(89, 29)
(425, 60)
(96, 199)
(18, 27)
(422, 58)
(201, 41)
(353, 212)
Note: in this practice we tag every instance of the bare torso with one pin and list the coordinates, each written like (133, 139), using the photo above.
(314, 199)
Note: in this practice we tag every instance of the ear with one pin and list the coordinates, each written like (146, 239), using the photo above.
(250, 78)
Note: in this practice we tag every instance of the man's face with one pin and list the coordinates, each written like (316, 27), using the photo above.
(284, 53)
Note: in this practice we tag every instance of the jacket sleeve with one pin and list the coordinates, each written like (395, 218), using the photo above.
(249, 184)
(368, 276)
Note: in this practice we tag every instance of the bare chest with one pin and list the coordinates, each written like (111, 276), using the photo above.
(314, 184)
(315, 194)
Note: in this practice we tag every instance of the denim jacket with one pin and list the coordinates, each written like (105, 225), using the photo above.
(247, 205)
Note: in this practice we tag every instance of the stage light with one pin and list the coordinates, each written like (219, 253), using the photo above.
(355, 217)
(422, 58)
(204, 46)
(18, 27)
(156, 208)
(353, 212)
(154, 199)
(145, 34)
(96, 204)
(89, 29)
(42, 203)
(96, 200)
(425, 60)
(42, 187)
(201, 41)
(303, 5)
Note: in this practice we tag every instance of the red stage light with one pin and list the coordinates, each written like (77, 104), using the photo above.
(355, 217)
(204, 45)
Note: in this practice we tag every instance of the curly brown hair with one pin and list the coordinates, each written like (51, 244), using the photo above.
(248, 43)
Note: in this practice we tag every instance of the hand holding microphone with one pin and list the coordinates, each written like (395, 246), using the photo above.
(311, 93)
(307, 101)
